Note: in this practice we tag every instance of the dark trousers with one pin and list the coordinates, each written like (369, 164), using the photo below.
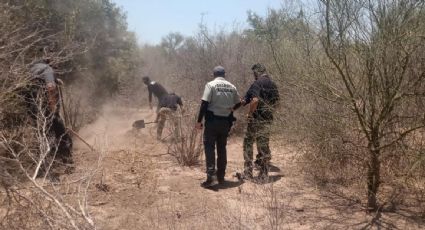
(257, 131)
(215, 134)
(63, 141)
(60, 144)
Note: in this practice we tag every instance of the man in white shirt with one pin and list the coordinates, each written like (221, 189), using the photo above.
(218, 101)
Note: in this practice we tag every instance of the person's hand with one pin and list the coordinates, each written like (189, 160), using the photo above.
(249, 116)
(52, 97)
(59, 81)
(198, 125)
(53, 107)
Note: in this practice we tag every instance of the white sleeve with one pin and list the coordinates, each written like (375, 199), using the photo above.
(207, 93)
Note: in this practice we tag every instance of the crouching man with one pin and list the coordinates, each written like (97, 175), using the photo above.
(169, 110)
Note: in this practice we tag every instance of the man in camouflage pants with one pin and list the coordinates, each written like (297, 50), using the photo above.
(262, 97)
(168, 109)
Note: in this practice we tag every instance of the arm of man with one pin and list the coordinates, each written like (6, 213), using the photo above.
(206, 98)
(252, 98)
(276, 98)
(52, 96)
(180, 103)
(150, 97)
(253, 106)
(52, 88)
(237, 101)
(253, 91)
(237, 106)
(202, 111)
(156, 118)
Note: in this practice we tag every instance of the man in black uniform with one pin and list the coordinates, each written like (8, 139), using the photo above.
(262, 97)
(43, 102)
(156, 89)
(169, 109)
(218, 101)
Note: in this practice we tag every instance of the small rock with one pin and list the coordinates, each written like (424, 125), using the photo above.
(163, 189)
(299, 209)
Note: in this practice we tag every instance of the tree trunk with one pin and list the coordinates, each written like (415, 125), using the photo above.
(373, 180)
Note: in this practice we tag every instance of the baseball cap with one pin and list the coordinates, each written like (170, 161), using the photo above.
(219, 71)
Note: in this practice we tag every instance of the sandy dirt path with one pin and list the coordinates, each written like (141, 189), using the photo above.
(140, 186)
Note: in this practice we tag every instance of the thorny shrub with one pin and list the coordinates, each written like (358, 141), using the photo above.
(188, 149)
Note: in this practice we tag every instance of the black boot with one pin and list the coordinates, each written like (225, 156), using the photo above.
(208, 182)
(247, 173)
(221, 180)
(264, 172)
(257, 164)
(67, 160)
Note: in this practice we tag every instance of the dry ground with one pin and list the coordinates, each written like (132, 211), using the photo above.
(139, 186)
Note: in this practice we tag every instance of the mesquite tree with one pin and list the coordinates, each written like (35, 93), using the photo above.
(376, 51)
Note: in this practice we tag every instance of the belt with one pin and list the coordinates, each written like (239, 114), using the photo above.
(211, 116)
(220, 117)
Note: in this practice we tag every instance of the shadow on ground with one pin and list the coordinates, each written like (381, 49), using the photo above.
(342, 211)
(226, 185)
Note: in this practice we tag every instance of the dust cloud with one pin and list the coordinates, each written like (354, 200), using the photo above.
(113, 130)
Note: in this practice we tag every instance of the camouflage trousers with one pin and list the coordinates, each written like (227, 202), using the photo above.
(174, 117)
(258, 132)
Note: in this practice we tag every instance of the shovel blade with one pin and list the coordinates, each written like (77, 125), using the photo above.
(139, 124)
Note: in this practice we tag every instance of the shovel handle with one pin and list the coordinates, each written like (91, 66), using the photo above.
(151, 122)
(81, 139)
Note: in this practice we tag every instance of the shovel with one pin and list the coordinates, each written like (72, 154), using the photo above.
(140, 124)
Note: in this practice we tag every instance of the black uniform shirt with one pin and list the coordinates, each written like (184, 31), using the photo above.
(267, 93)
(156, 89)
(170, 101)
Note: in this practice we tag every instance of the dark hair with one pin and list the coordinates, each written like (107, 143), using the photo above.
(146, 79)
(259, 68)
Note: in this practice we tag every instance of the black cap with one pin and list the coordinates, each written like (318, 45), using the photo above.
(219, 71)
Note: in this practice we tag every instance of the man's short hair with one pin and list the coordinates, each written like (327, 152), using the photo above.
(259, 68)
(146, 79)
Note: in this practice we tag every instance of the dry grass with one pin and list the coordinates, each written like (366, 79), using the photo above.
(38, 203)
(189, 148)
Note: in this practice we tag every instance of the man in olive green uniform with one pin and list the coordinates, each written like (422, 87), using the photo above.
(262, 97)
